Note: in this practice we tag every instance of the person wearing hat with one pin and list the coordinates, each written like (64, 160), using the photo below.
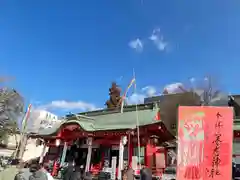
(37, 172)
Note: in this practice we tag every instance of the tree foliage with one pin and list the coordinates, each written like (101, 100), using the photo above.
(11, 109)
(210, 92)
(207, 89)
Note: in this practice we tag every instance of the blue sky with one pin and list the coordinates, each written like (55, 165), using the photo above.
(65, 54)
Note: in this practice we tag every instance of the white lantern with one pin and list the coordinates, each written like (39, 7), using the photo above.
(58, 141)
(124, 140)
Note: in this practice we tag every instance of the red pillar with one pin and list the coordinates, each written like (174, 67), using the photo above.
(55, 168)
(56, 163)
(166, 154)
(149, 150)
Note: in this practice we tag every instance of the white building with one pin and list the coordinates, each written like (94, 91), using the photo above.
(41, 119)
(32, 150)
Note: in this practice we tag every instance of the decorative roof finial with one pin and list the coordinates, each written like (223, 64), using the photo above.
(115, 96)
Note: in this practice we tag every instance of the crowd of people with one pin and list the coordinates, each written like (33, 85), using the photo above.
(33, 170)
(25, 171)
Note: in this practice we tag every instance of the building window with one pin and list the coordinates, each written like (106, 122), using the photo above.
(141, 156)
(43, 122)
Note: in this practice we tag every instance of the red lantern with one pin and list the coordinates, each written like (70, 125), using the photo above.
(134, 140)
(57, 142)
(144, 141)
(154, 140)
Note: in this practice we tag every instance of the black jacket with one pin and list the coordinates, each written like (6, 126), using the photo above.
(77, 175)
(68, 173)
(145, 174)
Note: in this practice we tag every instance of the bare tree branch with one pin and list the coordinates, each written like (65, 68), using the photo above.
(11, 108)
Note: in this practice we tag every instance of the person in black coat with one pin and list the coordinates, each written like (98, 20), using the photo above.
(68, 171)
(77, 174)
(233, 170)
(145, 174)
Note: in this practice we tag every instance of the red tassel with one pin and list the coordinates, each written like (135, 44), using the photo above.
(157, 116)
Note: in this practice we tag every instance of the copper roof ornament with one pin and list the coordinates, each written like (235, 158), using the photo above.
(115, 96)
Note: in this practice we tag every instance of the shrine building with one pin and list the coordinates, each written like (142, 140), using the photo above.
(111, 139)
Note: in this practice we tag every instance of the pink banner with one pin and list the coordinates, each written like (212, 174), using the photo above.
(205, 143)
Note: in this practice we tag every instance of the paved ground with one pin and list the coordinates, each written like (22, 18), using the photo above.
(9, 173)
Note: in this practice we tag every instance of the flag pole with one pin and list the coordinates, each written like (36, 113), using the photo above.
(24, 125)
(137, 119)
(122, 103)
(125, 93)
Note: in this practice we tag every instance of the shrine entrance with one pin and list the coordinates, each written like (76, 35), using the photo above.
(78, 154)
(114, 153)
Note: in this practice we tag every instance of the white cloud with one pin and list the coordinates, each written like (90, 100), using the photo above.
(138, 98)
(149, 90)
(69, 105)
(174, 88)
(192, 80)
(158, 40)
(136, 44)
